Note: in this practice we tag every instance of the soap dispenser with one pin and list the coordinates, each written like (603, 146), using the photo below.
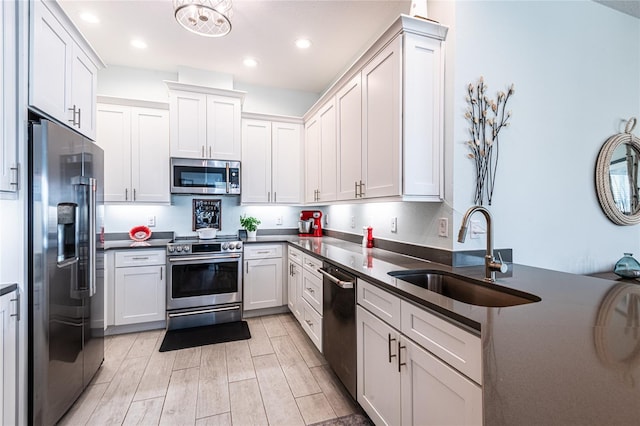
(627, 267)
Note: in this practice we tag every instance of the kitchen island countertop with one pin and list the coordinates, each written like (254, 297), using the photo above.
(571, 359)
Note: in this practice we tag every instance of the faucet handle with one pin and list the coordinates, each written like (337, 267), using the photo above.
(503, 266)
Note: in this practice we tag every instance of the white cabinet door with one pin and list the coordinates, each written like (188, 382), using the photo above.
(256, 161)
(286, 157)
(50, 64)
(223, 128)
(435, 394)
(140, 294)
(378, 377)
(262, 283)
(149, 155)
(349, 110)
(114, 137)
(188, 111)
(135, 141)
(312, 159)
(8, 359)
(382, 114)
(8, 104)
(328, 155)
(83, 92)
(295, 289)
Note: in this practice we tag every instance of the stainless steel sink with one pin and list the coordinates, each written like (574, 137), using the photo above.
(466, 290)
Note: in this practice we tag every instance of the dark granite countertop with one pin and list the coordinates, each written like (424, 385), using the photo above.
(571, 359)
(7, 288)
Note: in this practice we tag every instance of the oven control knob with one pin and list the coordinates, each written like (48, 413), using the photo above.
(225, 246)
(186, 248)
(171, 249)
(238, 245)
(179, 249)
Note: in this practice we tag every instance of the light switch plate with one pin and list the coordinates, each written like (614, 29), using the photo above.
(353, 221)
(394, 224)
(151, 221)
(279, 220)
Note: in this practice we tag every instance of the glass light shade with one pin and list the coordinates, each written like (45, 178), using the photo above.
(209, 18)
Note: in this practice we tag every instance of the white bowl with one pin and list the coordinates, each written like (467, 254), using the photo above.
(207, 233)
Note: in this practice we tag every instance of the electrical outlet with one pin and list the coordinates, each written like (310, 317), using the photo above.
(151, 221)
(353, 221)
(326, 219)
(476, 229)
(443, 227)
(279, 220)
(394, 224)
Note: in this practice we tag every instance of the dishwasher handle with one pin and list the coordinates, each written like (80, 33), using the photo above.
(338, 282)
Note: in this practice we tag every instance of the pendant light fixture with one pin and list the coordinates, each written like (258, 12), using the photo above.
(209, 18)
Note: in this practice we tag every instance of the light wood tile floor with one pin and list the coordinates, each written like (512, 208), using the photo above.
(276, 378)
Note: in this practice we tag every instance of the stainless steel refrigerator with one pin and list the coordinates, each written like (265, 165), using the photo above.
(66, 272)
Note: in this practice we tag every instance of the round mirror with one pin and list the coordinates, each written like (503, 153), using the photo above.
(617, 182)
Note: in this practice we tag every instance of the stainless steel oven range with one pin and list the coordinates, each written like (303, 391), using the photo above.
(204, 281)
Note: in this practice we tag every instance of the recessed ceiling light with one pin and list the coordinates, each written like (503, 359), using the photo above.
(138, 43)
(250, 62)
(89, 17)
(303, 43)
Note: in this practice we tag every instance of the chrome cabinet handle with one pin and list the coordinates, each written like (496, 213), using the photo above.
(79, 118)
(389, 341)
(275, 198)
(356, 188)
(309, 322)
(400, 363)
(15, 183)
(362, 193)
(269, 197)
(134, 194)
(17, 300)
(202, 151)
(310, 290)
(140, 258)
(73, 116)
(126, 194)
(228, 175)
(161, 268)
(210, 156)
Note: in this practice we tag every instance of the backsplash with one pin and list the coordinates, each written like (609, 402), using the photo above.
(177, 217)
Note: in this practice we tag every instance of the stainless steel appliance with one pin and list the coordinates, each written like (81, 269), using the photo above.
(339, 324)
(66, 272)
(193, 176)
(204, 284)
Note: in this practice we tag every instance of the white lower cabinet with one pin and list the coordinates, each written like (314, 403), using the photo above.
(294, 299)
(8, 359)
(262, 276)
(140, 286)
(399, 382)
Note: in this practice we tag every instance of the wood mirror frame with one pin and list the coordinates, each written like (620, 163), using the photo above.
(603, 177)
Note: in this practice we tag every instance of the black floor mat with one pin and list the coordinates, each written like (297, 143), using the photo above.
(206, 335)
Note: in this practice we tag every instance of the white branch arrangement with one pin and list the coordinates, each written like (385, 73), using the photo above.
(487, 117)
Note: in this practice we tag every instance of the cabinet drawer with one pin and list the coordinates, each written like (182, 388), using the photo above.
(383, 304)
(312, 290)
(295, 255)
(312, 324)
(312, 264)
(262, 251)
(139, 257)
(455, 346)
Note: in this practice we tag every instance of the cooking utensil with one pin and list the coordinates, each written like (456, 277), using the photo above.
(207, 233)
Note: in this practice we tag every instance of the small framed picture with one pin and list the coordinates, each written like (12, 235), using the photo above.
(206, 213)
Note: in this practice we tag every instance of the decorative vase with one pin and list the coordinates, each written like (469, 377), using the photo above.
(627, 267)
(252, 234)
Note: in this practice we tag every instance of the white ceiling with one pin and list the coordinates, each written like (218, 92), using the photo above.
(263, 29)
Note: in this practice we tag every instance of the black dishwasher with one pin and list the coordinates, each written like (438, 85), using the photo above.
(339, 324)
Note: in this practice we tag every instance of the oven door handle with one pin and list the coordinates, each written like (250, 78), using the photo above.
(199, 258)
(203, 311)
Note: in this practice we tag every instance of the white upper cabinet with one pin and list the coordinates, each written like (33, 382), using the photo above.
(320, 155)
(205, 122)
(62, 69)
(349, 109)
(135, 140)
(271, 161)
(8, 101)
(389, 119)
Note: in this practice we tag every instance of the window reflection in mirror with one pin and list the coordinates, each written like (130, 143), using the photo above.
(623, 174)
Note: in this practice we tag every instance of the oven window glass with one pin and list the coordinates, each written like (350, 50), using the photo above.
(204, 279)
(208, 177)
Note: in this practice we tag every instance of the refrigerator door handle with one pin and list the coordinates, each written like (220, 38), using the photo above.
(92, 235)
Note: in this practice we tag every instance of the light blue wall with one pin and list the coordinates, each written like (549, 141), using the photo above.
(576, 67)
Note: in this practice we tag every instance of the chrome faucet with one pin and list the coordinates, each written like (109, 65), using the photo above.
(491, 265)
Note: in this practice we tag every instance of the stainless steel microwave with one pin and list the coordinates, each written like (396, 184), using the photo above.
(193, 176)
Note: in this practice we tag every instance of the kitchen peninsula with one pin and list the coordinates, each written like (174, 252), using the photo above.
(549, 362)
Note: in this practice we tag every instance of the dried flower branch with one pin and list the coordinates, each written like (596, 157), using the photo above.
(486, 118)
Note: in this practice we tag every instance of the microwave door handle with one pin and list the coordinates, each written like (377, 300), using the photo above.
(228, 177)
